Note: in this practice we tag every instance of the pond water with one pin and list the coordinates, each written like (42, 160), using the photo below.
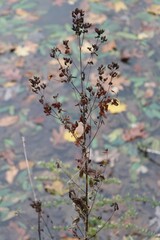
(28, 31)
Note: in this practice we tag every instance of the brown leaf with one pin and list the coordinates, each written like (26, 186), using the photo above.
(8, 155)
(8, 120)
(109, 46)
(22, 165)
(26, 15)
(11, 173)
(12, 74)
(95, 18)
(20, 231)
(58, 136)
(135, 132)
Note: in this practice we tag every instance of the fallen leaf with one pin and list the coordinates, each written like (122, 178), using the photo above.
(142, 36)
(20, 230)
(119, 6)
(109, 47)
(154, 9)
(135, 132)
(9, 84)
(95, 18)
(22, 51)
(22, 165)
(58, 136)
(12, 74)
(5, 47)
(8, 121)
(58, 3)
(55, 187)
(117, 109)
(149, 93)
(32, 46)
(8, 155)
(68, 136)
(142, 169)
(10, 174)
(26, 15)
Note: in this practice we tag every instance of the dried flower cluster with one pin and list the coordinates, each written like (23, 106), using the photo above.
(92, 107)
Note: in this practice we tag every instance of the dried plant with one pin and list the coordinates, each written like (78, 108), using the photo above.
(91, 107)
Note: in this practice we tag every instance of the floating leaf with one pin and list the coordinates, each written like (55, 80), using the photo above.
(115, 134)
(117, 109)
(119, 6)
(95, 18)
(135, 132)
(154, 9)
(8, 155)
(26, 15)
(8, 120)
(22, 165)
(68, 136)
(22, 51)
(55, 187)
(11, 173)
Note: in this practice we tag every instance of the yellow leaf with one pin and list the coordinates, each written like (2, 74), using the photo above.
(68, 136)
(142, 36)
(56, 187)
(9, 84)
(119, 6)
(154, 9)
(117, 109)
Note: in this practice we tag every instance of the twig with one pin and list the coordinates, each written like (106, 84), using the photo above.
(28, 169)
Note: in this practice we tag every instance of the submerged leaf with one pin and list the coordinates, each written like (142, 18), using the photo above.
(154, 9)
(8, 120)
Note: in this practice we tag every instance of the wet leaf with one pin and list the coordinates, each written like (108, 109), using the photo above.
(29, 47)
(142, 36)
(55, 188)
(20, 231)
(22, 51)
(115, 134)
(11, 174)
(8, 155)
(119, 6)
(110, 46)
(117, 109)
(95, 18)
(68, 136)
(8, 121)
(22, 165)
(26, 15)
(135, 132)
(154, 9)
(58, 3)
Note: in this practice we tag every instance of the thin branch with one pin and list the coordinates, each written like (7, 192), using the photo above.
(28, 168)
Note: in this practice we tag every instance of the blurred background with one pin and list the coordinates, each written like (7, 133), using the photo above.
(28, 30)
